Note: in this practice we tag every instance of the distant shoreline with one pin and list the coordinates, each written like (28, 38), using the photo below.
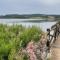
(30, 16)
(31, 20)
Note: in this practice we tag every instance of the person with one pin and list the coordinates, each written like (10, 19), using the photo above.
(48, 39)
(48, 33)
(56, 32)
(56, 29)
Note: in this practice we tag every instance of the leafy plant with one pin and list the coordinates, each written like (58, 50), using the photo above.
(14, 37)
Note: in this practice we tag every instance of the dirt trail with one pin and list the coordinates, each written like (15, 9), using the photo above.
(56, 50)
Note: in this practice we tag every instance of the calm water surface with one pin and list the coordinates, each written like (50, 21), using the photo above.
(43, 25)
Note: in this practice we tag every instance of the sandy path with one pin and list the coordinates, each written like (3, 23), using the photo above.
(55, 50)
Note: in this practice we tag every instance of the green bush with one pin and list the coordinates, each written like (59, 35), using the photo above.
(14, 37)
(30, 34)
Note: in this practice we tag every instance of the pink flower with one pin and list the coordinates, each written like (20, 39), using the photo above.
(30, 51)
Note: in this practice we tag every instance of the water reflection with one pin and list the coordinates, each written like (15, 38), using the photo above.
(43, 25)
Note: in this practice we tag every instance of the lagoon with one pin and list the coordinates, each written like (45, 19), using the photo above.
(25, 22)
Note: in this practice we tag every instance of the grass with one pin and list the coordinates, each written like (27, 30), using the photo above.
(15, 37)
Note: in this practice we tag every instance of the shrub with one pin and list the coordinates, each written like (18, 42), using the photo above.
(14, 37)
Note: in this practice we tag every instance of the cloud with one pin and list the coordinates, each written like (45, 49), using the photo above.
(29, 6)
(49, 2)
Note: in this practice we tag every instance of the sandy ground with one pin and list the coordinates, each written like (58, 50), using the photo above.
(55, 51)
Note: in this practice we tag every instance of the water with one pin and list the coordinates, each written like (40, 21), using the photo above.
(43, 25)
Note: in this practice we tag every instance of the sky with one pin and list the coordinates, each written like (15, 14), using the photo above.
(29, 7)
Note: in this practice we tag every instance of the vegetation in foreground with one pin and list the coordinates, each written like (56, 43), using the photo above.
(15, 37)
